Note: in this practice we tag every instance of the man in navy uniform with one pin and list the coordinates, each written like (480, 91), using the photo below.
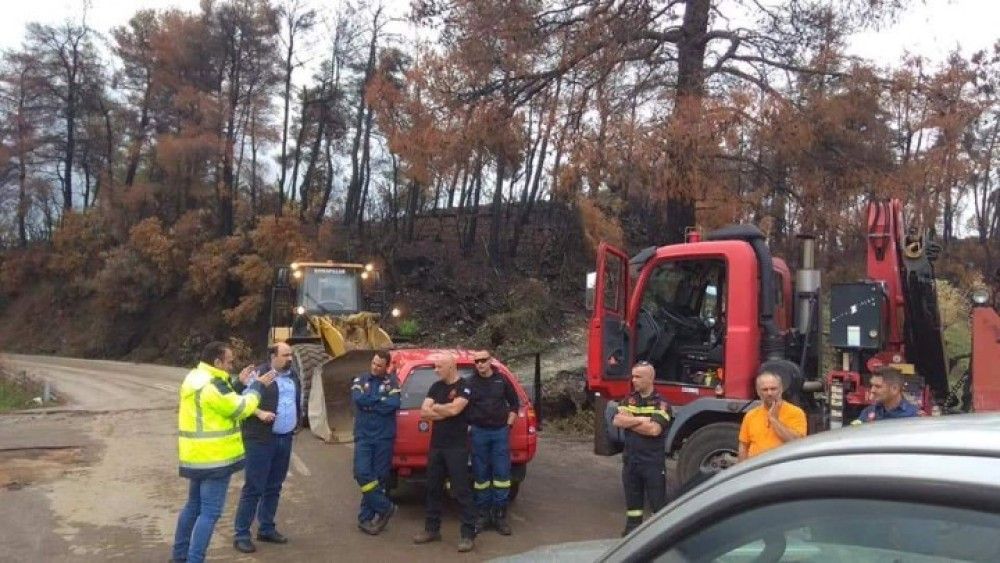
(887, 390)
(644, 417)
(376, 399)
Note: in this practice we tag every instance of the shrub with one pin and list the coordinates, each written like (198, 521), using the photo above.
(21, 269)
(408, 328)
(208, 271)
(526, 322)
(126, 284)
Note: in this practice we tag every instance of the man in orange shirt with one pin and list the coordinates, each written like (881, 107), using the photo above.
(774, 421)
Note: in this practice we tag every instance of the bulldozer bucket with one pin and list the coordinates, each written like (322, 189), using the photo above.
(331, 414)
(328, 369)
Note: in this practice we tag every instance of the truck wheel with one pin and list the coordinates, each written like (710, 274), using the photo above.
(709, 450)
(603, 444)
(305, 358)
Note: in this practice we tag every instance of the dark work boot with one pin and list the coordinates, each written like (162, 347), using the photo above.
(483, 520)
(500, 520)
(631, 523)
(381, 520)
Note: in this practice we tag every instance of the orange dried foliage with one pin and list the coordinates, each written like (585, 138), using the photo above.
(152, 244)
(21, 269)
(599, 225)
(208, 271)
(77, 246)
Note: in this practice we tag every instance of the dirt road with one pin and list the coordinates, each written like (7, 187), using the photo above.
(96, 479)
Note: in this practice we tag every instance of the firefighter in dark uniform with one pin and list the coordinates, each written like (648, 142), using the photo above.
(376, 399)
(644, 417)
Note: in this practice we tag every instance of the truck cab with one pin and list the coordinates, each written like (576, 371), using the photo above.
(705, 314)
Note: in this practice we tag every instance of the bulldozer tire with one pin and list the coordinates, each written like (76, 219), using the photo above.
(708, 450)
(305, 358)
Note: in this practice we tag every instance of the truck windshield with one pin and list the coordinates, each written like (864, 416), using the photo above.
(330, 290)
(686, 287)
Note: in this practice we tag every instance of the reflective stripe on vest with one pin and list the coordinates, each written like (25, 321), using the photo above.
(208, 419)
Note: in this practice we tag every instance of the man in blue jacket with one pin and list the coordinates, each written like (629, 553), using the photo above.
(376, 399)
(887, 386)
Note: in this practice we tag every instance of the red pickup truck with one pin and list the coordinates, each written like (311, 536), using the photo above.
(415, 370)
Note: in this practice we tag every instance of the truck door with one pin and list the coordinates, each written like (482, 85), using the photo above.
(609, 343)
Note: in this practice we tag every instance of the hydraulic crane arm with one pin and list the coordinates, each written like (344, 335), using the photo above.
(904, 263)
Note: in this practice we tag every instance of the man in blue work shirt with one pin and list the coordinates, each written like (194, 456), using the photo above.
(268, 444)
(376, 399)
(887, 390)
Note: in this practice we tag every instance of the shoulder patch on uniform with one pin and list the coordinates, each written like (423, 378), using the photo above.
(357, 380)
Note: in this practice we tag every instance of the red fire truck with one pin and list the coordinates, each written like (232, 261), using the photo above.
(707, 312)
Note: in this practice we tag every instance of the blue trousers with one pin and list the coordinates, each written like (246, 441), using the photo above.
(196, 521)
(490, 466)
(372, 467)
(266, 469)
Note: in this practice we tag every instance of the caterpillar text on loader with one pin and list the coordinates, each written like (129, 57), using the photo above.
(319, 308)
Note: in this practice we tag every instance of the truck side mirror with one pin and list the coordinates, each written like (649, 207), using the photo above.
(591, 290)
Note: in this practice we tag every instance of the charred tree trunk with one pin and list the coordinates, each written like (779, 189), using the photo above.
(687, 105)
(496, 216)
(139, 137)
(314, 155)
(299, 139)
(354, 187)
(287, 98)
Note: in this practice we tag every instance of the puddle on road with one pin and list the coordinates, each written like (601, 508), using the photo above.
(22, 467)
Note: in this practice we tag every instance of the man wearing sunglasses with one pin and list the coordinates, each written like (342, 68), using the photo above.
(493, 406)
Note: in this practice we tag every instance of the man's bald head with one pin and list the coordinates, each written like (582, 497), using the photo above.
(643, 375)
(769, 387)
(445, 364)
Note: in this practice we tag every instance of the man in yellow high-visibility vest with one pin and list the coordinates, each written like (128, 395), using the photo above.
(209, 443)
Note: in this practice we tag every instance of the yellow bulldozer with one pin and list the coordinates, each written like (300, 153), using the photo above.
(319, 308)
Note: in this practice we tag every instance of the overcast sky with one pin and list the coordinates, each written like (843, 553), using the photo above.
(931, 28)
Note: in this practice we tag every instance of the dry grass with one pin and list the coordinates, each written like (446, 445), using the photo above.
(16, 391)
(579, 424)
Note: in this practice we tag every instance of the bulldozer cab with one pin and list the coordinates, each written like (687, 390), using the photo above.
(330, 290)
(319, 309)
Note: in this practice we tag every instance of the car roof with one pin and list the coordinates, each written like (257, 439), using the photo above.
(409, 355)
(964, 435)
(949, 460)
